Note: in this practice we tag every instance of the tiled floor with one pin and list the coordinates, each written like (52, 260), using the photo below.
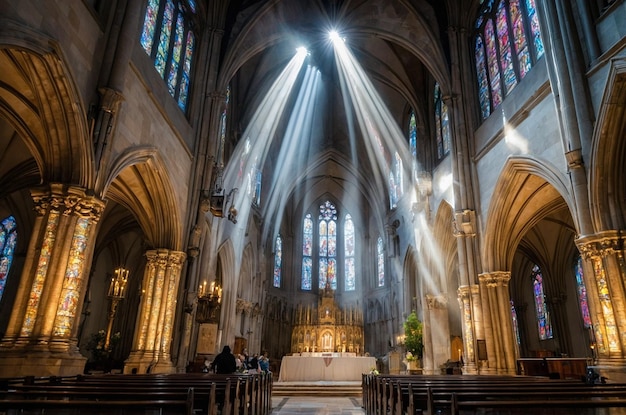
(283, 405)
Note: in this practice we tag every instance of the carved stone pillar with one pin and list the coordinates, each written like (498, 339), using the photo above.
(436, 333)
(470, 308)
(153, 334)
(603, 256)
(494, 290)
(41, 336)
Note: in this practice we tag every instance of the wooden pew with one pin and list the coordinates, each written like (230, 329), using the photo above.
(400, 394)
(230, 394)
(51, 402)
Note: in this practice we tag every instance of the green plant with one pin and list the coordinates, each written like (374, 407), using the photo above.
(95, 346)
(413, 332)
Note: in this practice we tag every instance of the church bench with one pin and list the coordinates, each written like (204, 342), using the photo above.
(412, 394)
(59, 402)
(230, 393)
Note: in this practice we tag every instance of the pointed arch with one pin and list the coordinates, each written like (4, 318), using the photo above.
(138, 181)
(526, 192)
(608, 153)
(40, 100)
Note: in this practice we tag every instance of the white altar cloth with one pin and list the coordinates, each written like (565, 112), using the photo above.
(315, 368)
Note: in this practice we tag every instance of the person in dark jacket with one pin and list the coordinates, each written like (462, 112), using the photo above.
(225, 362)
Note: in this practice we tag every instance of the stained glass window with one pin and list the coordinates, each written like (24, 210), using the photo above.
(278, 261)
(413, 141)
(507, 43)
(582, 292)
(515, 322)
(396, 182)
(442, 124)
(380, 260)
(307, 253)
(8, 239)
(255, 177)
(543, 315)
(349, 245)
(168, 39)
(327, 228)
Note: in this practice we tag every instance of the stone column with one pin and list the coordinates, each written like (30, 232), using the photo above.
(153, 333)
(41, 337)
(436, 333)
(468, 305)
(604, 270)
(494, 290)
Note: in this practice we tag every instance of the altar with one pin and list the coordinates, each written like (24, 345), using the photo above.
(325, 366)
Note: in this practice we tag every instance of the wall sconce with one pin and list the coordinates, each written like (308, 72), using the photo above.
(117, 291)
(209, 303)
(217, 199)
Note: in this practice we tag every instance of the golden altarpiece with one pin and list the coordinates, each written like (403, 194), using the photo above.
(327, 327)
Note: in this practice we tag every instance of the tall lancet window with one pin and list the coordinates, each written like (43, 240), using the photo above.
(442, 124)
(307, 253)
(543, 315)
(507, 43)
(327, 228)
(396, 181)
(167, 37)
(349, 245)
(582, 292)
(380, 262)
(8, 239)
(413, 142)
(278, 261)
(515, 323)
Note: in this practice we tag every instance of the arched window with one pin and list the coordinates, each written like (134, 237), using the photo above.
(255, 177)
(442, 124)
(413, 142)
(515, 322)
(168, 39)
(349, 246)
(582, 292)
(307, 253)
(278, 261)
(507, 43)
(327, 228)
(396, 181)
(543, 316)
(380, 261)
(8, 239)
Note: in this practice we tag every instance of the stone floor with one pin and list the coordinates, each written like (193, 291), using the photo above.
(284, 405)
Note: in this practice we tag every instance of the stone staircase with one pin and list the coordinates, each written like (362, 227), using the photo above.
(320, 388)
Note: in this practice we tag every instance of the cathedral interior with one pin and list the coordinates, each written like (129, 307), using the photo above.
(301, 175)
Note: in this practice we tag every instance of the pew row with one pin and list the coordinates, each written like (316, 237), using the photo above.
(173, 394)
(417, 394)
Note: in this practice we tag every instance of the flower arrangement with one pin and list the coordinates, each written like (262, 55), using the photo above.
(96, 346)
(413, 340)
(374, 371)
(410, 357)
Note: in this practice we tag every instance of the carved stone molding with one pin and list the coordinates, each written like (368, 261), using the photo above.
(494, 279)
(601, 244)
(436, 301)
(464, 223)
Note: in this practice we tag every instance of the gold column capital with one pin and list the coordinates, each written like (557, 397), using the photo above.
(67, 200)
(601, 244)
(495, 278)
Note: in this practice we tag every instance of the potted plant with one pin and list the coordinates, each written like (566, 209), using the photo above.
(413, 340)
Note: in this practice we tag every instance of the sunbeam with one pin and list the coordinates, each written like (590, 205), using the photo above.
(250, 153)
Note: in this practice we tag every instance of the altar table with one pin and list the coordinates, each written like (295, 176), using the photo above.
(315, 368)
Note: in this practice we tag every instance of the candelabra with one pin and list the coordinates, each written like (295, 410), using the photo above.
(209, 303)
(116, 294)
